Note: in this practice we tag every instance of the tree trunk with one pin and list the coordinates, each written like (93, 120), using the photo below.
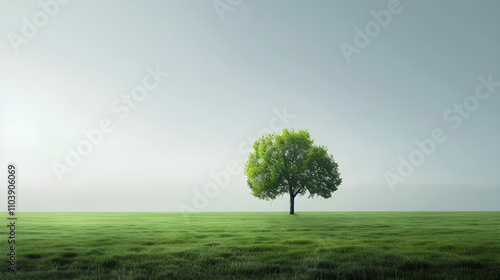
(292, 202)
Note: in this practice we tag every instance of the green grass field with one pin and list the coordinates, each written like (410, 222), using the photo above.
(308, 245)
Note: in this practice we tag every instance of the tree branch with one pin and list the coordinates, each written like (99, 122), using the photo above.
(298, 191)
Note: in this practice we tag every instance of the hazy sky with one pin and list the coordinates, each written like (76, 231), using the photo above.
(367, 78)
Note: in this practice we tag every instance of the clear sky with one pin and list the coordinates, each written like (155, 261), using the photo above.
(367, 78)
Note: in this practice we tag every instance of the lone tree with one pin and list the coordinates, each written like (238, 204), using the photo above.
(291, 163)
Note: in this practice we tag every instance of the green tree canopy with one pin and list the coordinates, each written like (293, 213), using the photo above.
(291, 163)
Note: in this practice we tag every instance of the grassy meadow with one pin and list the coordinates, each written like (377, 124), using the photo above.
(308, 245)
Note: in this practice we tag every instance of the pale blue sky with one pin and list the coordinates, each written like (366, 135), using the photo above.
(227, 78)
